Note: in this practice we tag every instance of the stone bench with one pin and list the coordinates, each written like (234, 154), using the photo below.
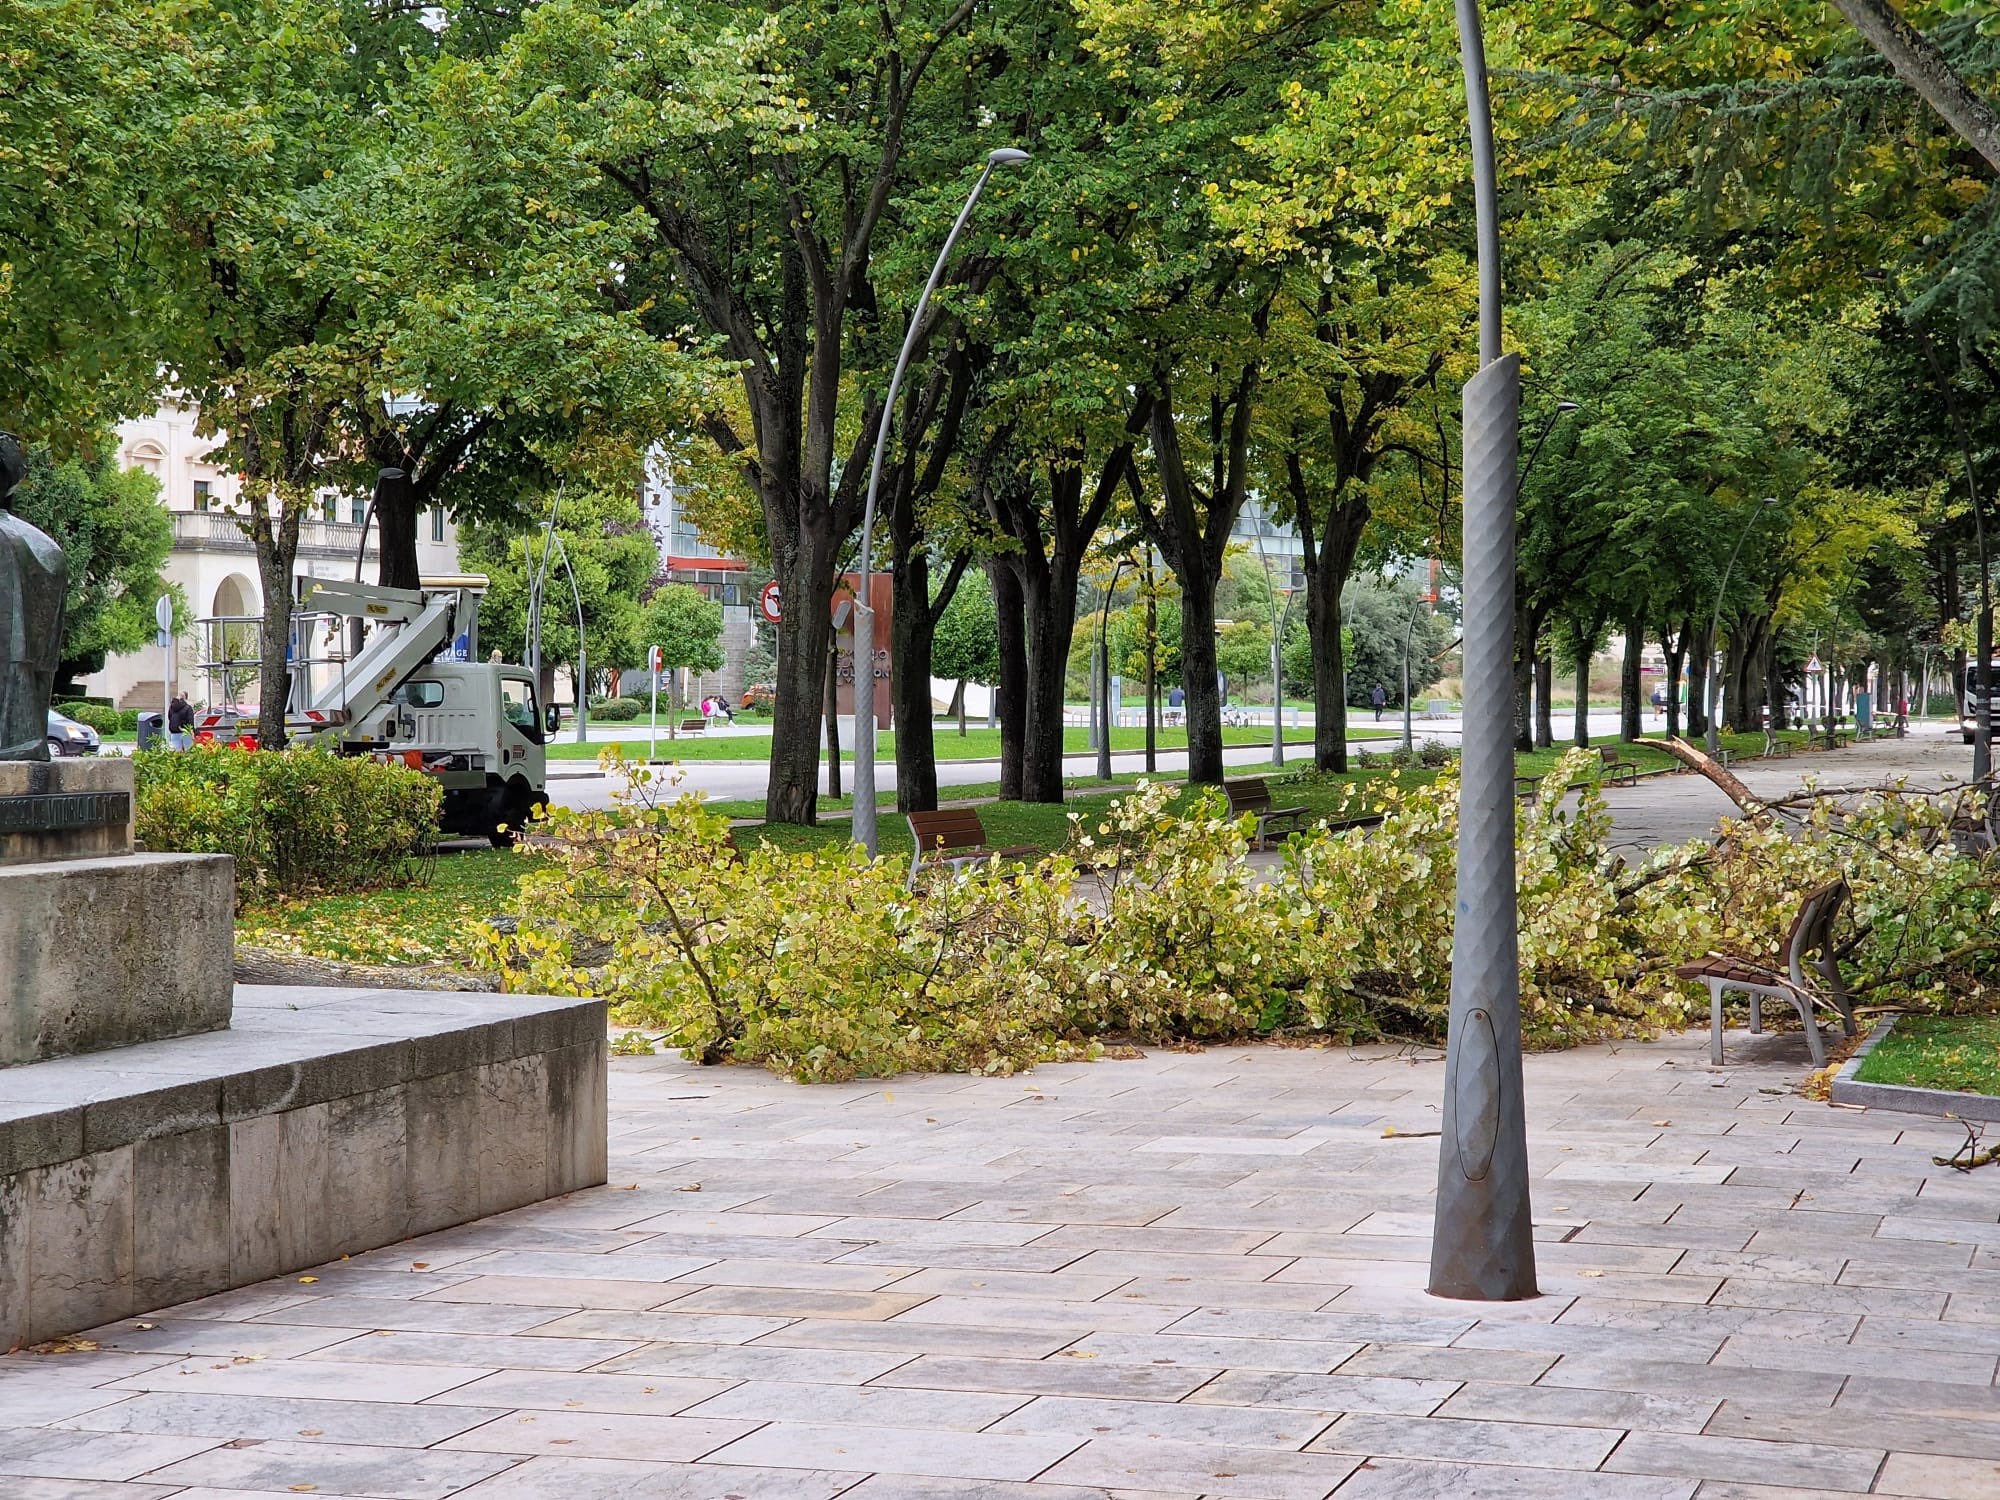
(322, 1123)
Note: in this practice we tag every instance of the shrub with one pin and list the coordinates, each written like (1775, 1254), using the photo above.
(1151, 924)
(820, 966)
(1435, 753)
(128, 721)
(98, 716)
(616, 710)
(294, 820)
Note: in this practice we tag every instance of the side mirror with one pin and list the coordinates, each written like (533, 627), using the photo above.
(552, 718)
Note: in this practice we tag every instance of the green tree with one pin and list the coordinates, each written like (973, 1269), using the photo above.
(763, 154)
(967, 647)
(115, 535)
(686, 625)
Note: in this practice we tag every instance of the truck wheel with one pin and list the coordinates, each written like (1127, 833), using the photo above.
(517, 805)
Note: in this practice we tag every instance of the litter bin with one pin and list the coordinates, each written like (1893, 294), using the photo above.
(152, 731)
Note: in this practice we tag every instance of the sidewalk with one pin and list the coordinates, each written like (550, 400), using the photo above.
(1188, 1274)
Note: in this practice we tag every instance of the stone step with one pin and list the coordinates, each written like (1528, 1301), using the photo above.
(144, 696)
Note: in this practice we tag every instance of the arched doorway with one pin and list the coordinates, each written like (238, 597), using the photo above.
(229, 651)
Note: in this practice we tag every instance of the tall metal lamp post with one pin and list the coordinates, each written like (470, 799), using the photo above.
(1713, 694)
(1482, 1242)
(864, 606)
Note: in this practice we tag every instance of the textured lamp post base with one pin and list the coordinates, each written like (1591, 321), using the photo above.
(1483, 1247)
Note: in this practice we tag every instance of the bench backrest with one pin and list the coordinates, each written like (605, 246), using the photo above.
(1608, 754)
(1812, 928)
(1251, 794)
(948, 828)
(693, 721)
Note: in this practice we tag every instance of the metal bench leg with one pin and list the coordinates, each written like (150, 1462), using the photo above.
(1813, 1043)
(1715, 1022)
(1756, 1014)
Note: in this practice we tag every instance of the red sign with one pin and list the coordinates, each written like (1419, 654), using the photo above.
(767, 602)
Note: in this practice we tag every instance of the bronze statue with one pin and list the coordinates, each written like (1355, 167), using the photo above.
(33, 583)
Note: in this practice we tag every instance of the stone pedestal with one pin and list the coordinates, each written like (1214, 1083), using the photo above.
(101, 947)
(64, 809)
(99, 953)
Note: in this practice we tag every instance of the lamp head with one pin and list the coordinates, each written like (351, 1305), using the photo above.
(1006, 156)
(1768, 500)
(1566, 407)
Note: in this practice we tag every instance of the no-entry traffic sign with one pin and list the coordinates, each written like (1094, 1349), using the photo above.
(767, 601)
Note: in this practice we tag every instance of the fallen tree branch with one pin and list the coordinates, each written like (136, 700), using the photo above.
(1968, 1156)
(1943, 960)
(1731, 785)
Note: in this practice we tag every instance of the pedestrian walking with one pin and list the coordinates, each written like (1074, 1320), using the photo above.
(180, 723)
(1659, 701)
(1379, 698)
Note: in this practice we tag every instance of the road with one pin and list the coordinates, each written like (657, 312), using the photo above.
(1659, 809)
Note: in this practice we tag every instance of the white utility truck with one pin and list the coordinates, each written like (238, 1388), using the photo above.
(395, 674)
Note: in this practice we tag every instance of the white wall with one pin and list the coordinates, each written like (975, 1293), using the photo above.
(212, 561)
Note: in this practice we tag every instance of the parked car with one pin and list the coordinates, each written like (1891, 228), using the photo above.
(759, 696)
(67, 737)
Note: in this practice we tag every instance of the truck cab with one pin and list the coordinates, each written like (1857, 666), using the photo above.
(411, 691)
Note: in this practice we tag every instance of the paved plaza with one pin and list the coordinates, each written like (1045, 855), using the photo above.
(1187, 1274)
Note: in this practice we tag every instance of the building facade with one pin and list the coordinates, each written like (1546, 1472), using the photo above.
(214, 563)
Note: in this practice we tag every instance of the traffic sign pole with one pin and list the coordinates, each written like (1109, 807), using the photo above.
(653, 738)
(163, 616)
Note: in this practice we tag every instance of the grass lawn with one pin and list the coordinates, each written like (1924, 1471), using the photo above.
(975, 744)
(428, 921)
(1956, 1053)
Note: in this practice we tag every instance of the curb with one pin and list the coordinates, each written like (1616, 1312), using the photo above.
(1846, 1089)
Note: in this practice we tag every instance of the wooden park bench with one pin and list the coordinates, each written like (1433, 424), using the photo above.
(693, 725)
(1253, 795)
(1811, 936)
(1616, 767)
(954, 836)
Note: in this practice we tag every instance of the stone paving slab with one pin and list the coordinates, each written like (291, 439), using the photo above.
(1178, 1276)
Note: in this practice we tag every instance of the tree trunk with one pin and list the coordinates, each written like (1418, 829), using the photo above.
(805, 582)
(277, 544)
(832, 714)
(1582, 734)
(1923, 67)
(1011, 692)
(1676, 653)
(1527, 626)
(1332, 562)
(911, 634)
(1329, 663)
(1700, 650)
(1198, 681)
(1746, 675)
(1049, 612)
(1630, 704)
(396, 534)
(1545, 675)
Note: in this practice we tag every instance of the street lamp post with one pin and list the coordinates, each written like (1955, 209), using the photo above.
(1482, 1244)
(1409, 631)
(1103, 675)
(864, 606)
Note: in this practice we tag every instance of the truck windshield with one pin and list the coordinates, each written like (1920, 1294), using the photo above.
(517, 704)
